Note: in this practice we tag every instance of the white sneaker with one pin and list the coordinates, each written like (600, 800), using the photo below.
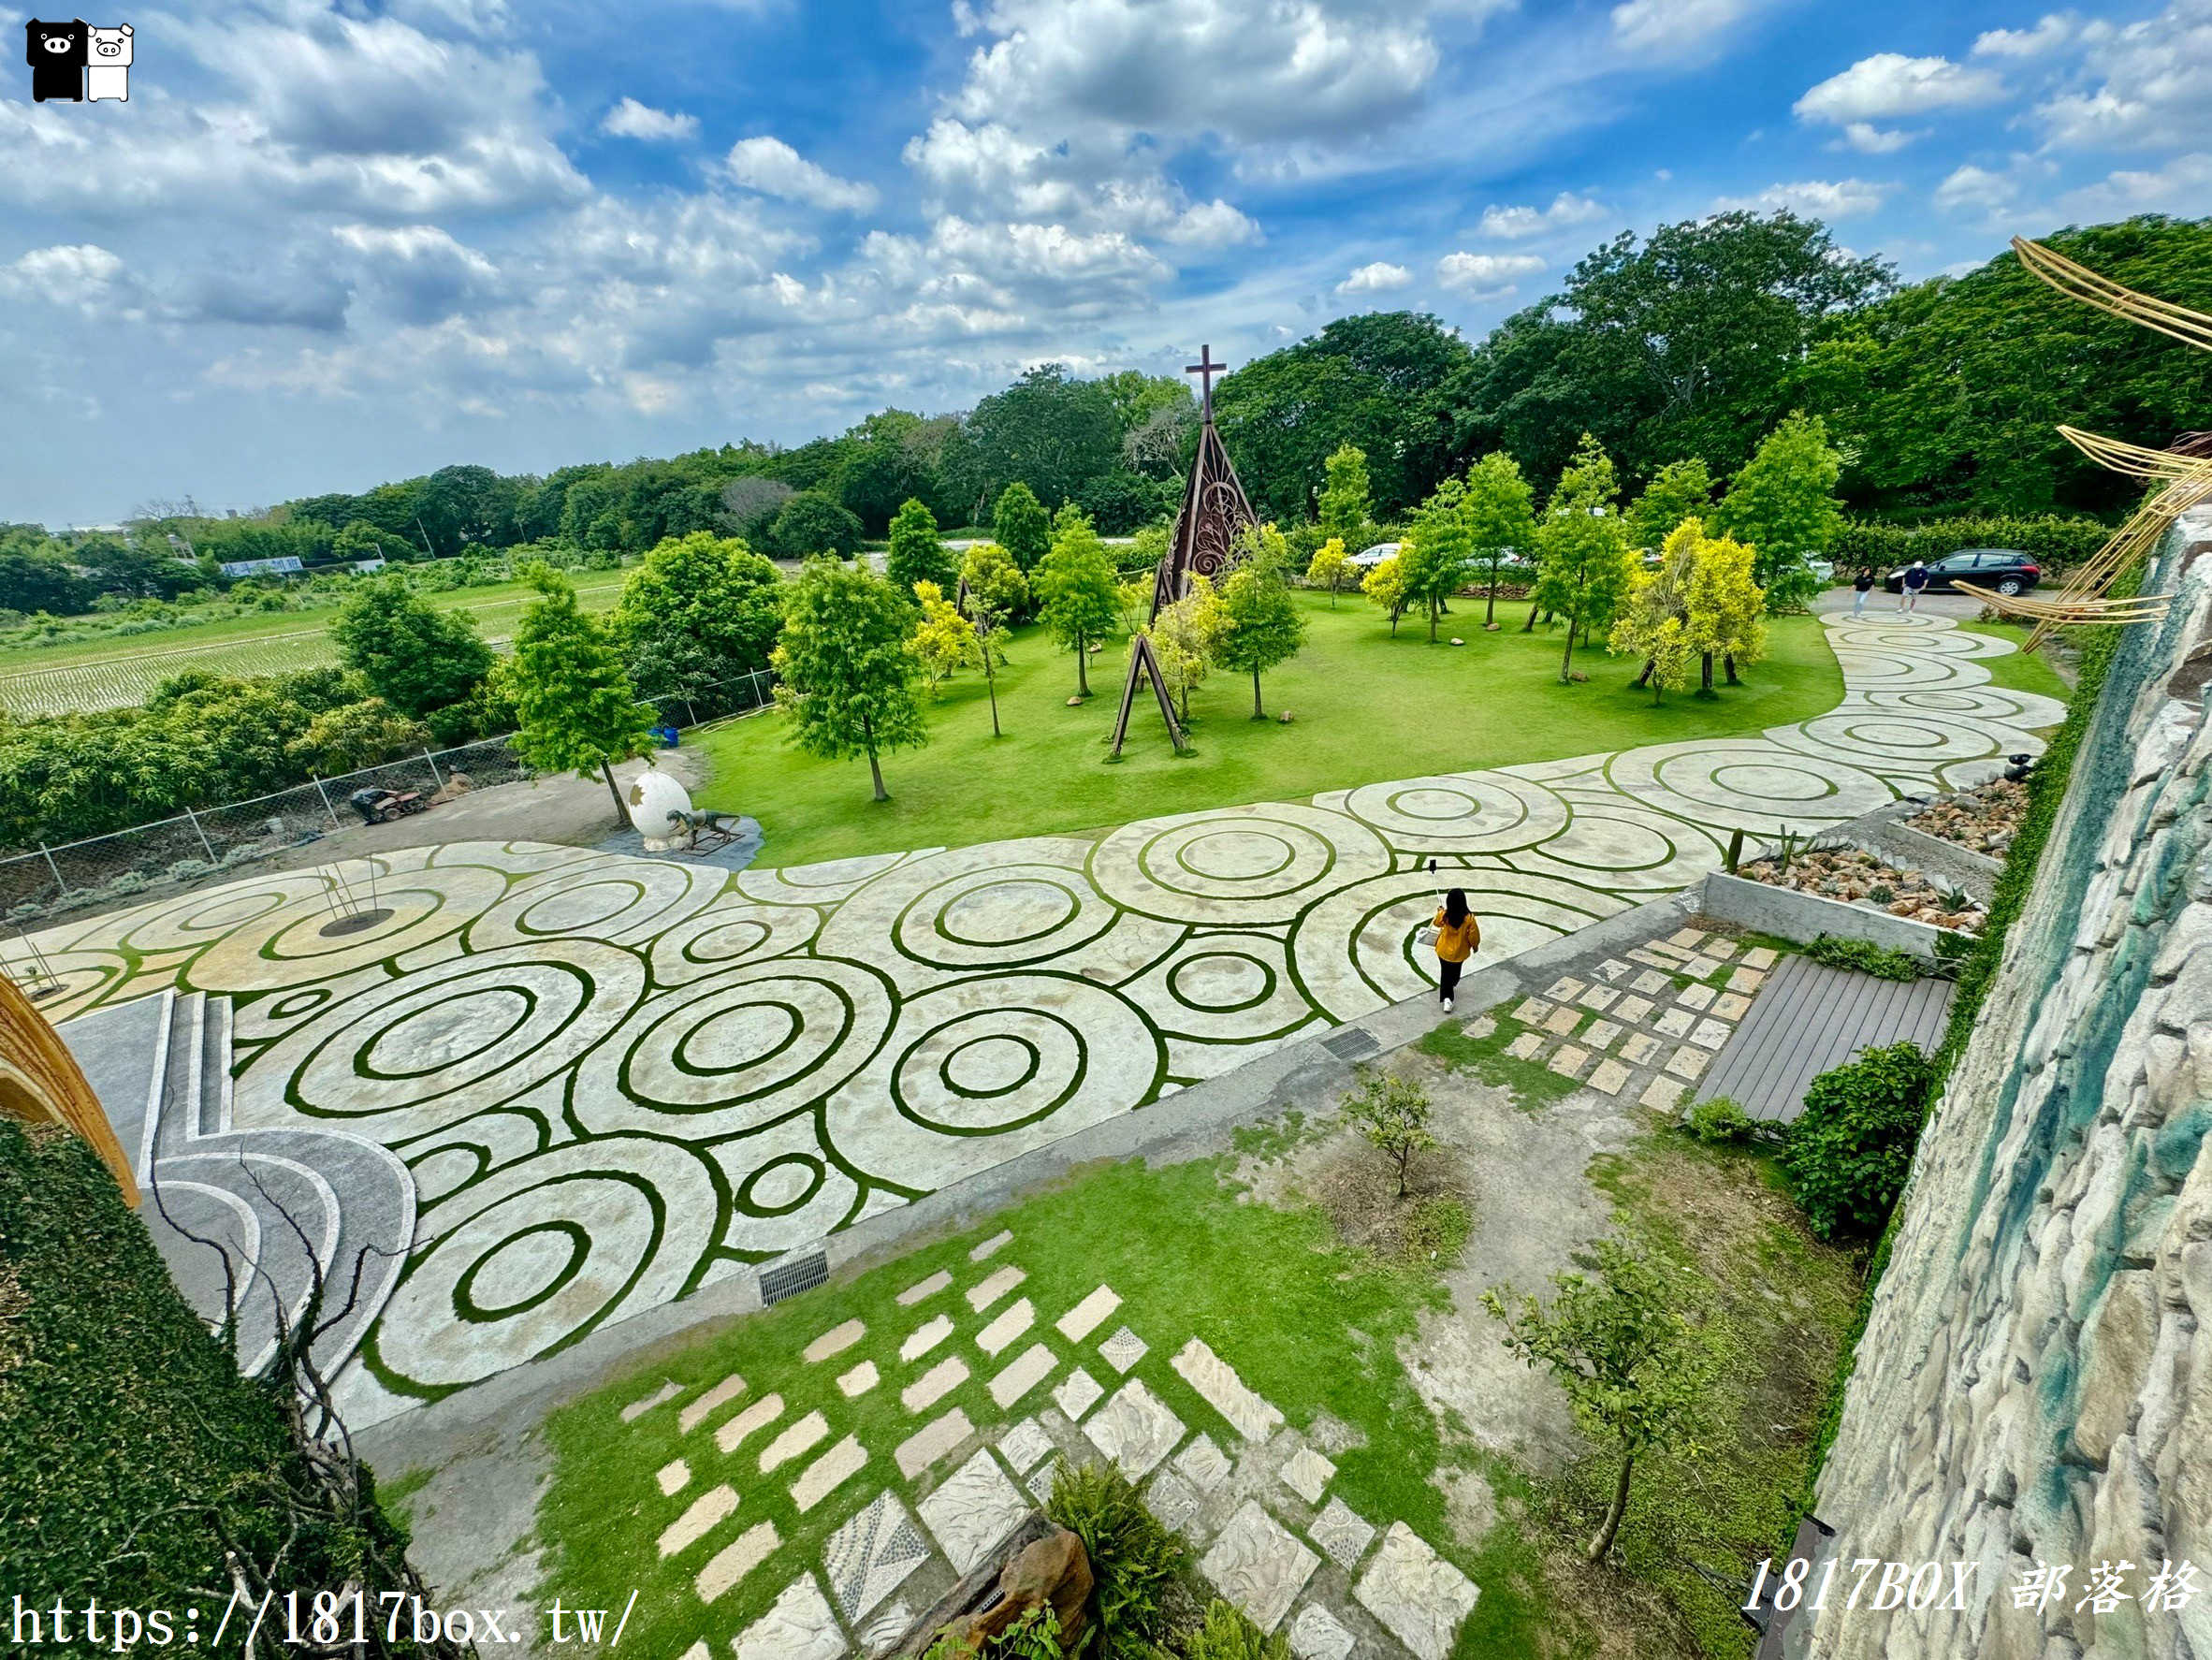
(1448, 1000)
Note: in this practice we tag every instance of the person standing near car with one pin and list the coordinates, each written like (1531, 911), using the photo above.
(1908, 598)
(1862, 585)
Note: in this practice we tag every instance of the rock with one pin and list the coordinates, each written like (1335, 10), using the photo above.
(1457, 641)
(1075, 703)
(1285, 717)
(1491, 627)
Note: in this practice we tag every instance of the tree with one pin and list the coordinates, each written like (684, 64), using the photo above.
(1585, 565)
(1019, 525)
(1331, 569)
(1393, 1113)
(1121, 501)
(1783, 503)
(1439, 551)
(916, 554)
(1725, 610)
(845, 670)
(944, 641)
(1075, 590)
(357, 735)
(996, 591)
(1346, 507)
(749, 507)
(1264, 625)
(1185, 636)
(1630, 1365)
(701, 611)
(1679, 490)
(1500, 518)
(1849, 1154)
(1656, 598)
(415, 657)
(1049, 431)
(1384, 584)
(811, 523)
(573, 698)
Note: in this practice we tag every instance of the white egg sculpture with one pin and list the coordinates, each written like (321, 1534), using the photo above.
(653, 797)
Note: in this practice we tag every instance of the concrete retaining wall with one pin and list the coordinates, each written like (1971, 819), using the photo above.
(1804, 917)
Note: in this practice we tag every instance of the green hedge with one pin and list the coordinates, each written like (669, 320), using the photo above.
(2053, 541)
(129, 1443)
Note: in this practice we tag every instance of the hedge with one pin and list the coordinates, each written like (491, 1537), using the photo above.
(2053, 541)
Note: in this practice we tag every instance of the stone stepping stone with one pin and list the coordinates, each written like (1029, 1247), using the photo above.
(931, 1442)
(1014, 1319)
(1631, 1009)
(639, 1407)
(1221, 1388)
(924, 1337)
(1172, 1500)
(1710, 1034)
(793, 1441)
(1316, 1635)
(1718, 947)
(1698, 968)
(1525, 1047)
(1078, 1394)
(1123, 1350)
(1609, 1076)
(934, 1385)
(736, 1559)
(1600, 998)
(973, 1509)
(836, 1340)
(673, 1477)
(1686, 938)
(1600, 1035)
(1419, 1597)
(1697, 996)
(1651, 981)
(985, 1292)
(925, 1288)
(1564, 1021)
(858, 1381)
(1024, 1445)
(1662, 1095)
(1689, 1063)
(1089, 1315)
(1730, 1005)
(886, 1628)
(1204, 1464)
(990, 1247)
(798, 1626)
(697, 1651)
(1639, 1048)
(1669, 957)
(1568, 1062)
(1040, 1479)
(829, 1472)
(1257, 1564)
(1613, 970)
(1307, 1474)
(768, 1409)
(1746, 981)
(1344, 1533)
(872, 1555)
(721, 1395)
(1566, 989)
(1135, 1429)
(1032, 1368)
(1759, 956)
(1532, 1012)
(1675, 1023)
(698, 1519)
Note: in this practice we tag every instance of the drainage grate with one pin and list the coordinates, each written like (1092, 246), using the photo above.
(1352, 1043)
(788, 1276)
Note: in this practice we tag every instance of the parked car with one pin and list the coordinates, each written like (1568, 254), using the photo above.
(1368, 558)
(2006, 570)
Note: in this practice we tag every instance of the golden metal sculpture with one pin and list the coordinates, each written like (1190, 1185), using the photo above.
(2184, 468)
(41, 1083)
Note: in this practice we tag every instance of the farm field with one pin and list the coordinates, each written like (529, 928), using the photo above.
(78, 677)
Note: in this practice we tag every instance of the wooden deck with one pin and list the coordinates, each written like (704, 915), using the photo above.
(1808, 1018)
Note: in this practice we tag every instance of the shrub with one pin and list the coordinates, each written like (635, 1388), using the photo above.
(1228, 1635)
(1721, 1122)
(1393, 1114)
(1877, 960)
(2054, 542)
(1848, 1156)
(1134, 1560)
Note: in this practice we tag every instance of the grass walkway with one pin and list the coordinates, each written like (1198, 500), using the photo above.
(1369, 708)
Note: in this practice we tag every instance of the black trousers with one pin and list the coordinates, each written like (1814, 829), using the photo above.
(1448, 978)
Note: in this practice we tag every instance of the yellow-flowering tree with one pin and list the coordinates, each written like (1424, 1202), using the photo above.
(1655, 597)
(1725, 614)
(943, 640)
(1185, 637)
(1331, 568)
(1384, 584)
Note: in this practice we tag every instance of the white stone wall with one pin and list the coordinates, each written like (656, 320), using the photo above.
(2035, 1382)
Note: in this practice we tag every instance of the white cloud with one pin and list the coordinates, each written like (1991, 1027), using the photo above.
(1891, 84)
(65, 271)
(2143, 84)
(1970, 189)
(1674, 28)
(631, 119)
(2054, 31)
(1377, 278)
(774, 168)
(1870, 140)
(1486, 276)
(1566, 208)
(1816, 199)
(421, 271)
(2182, 185)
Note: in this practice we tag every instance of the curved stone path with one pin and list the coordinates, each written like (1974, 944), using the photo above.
(615, 1080)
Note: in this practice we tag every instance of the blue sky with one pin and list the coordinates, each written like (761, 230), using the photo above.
(325, 244)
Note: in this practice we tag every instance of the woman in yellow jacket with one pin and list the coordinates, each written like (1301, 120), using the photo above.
(1459, 936)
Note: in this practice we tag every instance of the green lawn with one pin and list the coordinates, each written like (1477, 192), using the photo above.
(2020, 671)
(1369, 708)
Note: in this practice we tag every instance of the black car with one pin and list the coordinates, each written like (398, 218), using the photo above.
(2003, 569)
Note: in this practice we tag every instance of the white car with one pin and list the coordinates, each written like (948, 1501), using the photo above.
(1367, 558)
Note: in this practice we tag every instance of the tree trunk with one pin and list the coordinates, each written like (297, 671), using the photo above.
(1490, 614)
(1729, 661)
(867, 733)
(622, 808)
(991, 683)
(1530, 626)
(1431, 620)
(1645, 678)
(1257, 713)
(1405, 1160)
(1706, 672)
(1611, 1525)
(1566, 664)
(1083, 667)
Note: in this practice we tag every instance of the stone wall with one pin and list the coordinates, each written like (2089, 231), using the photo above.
(2035, 1383)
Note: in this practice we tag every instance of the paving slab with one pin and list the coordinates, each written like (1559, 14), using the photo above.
(1256, 1563)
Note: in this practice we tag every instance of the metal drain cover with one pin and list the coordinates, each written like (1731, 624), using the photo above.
(787, 1276)
(1352, 1043)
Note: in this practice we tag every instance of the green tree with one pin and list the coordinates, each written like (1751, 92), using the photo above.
(917, 554)
(1849, 1154)
(699, 612)
(811, 523)
(1500, 518)
(1020, 525)
(1264, 624)
(358, 540)
(1075, 586)
(1783, 504)
(1330, 568)
(1618, 1344)
(1347, 506)
(573, 698)
(1185, 636)
(1049, 431)
(845, 671)
(1585, 565)
(1393, 1113)
(415, 657)
(1438, 553)
(1679, 490)
(996, 592)
(358, 734)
